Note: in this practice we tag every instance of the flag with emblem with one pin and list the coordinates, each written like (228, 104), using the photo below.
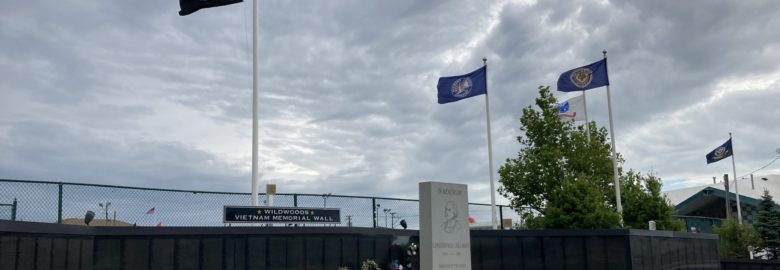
(719, 153)
(190, 6)
(455, 88)
(585, 77)
(572, 109)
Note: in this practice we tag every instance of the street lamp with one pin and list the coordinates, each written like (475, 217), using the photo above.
(89, 217)
(325, 200)
(386, 210)
(392, 219)
(105, 209)
(376, 215)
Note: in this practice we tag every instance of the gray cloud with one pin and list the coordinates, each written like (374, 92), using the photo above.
(49, 151)
(131, 93)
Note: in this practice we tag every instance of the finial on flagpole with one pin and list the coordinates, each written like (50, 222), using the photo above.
(605, 53)
(484, 61)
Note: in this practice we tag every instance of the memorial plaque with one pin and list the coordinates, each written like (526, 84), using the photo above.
(288, 215)
(444, 226)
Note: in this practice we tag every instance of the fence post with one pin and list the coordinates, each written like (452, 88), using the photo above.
(13, 210)
(501, 215)
(295, 203)
(59, 205)
(373, 206)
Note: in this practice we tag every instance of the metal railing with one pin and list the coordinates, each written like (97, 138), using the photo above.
(62, 202)
(8, 210)
(699, 224)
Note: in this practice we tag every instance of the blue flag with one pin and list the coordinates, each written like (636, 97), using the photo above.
(455, 88)
(719, 153)
(584, 78)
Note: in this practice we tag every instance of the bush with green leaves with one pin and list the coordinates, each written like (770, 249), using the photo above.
(643, 201)
(736, 239)
(577, 205)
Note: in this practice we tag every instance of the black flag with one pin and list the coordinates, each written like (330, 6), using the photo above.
(190, 6)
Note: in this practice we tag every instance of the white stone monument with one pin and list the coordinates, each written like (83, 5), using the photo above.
(445, 241)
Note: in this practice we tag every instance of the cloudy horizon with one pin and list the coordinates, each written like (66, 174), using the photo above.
(130, 93)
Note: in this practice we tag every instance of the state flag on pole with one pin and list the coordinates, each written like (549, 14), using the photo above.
(455, 88)
(584, 78)
(719, 153)
(572, 109)
(190, 6)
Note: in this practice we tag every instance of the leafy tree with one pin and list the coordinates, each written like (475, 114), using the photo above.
(577, 205)
(553, 152)
(530, 178)
(643, 201)
(768, 226)
(567, 180)
(735, 239)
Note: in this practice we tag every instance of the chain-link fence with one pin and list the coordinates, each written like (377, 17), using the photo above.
(8, 210)
(59, 202)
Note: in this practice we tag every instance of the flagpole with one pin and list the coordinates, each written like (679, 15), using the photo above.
(614, 153)
(490, 153)
(254, 103)
(587, 124)
(736, 183)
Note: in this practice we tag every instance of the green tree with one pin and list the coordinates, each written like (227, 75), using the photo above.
(530, 178)
(643, 201)
(735, 239)
(553, 152)
(576, 205)
(768, 225)
(567, 180)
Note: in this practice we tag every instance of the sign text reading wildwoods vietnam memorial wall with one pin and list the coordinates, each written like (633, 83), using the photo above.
(265, 214)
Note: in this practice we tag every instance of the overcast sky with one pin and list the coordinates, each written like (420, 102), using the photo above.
(130, 93)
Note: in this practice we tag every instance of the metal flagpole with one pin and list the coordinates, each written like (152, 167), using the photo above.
(736, 182)
(614, 153)
(254, 103)
(490, 154)
(587, 124)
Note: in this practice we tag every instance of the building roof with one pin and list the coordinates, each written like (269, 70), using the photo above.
(96, 222)
(749, 193)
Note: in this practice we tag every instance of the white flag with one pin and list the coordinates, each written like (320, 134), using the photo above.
(572, 109)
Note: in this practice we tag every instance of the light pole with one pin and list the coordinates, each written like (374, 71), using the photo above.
(376, 215)
(386, 210)
(392, 219)
(105, 209)
(325, 200)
